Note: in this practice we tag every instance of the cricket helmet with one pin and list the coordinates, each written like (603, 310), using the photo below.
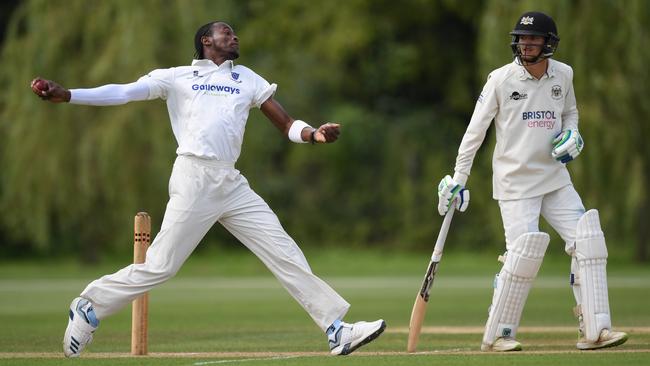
(534, 23)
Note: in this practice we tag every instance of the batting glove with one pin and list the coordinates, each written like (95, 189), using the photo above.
(450, 192)
(567, 145)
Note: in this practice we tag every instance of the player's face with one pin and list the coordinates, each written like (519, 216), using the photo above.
(530, 47)
(224, 41)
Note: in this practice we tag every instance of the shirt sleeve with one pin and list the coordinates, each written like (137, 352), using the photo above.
(160, 83)
(486, 108)
(111, 94)
(263, 90)
(570, 111)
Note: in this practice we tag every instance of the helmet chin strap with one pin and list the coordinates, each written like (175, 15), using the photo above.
(537, 60)
(546, 51)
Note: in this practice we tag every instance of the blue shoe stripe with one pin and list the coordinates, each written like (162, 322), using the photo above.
(80, 304)
(337, 339)
(88, 313)
(85, 317)
(334, 327)
(74, 341)
(71, 315)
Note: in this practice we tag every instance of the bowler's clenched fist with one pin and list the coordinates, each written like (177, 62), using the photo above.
(50, 91)
(329, 132)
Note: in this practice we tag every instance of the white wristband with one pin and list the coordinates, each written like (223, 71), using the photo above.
(295, 131)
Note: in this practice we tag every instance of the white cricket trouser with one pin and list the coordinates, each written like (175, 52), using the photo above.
(201, 193)
(561, 208)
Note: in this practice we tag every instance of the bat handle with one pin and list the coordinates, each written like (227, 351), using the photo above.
(442, 236)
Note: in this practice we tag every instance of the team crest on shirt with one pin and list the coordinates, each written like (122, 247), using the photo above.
(235, 77)
(556, 92)
(195, 74)
(517, 96)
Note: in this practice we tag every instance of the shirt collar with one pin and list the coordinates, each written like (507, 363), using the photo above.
(551, 68)
(525, 75)
(228, 64)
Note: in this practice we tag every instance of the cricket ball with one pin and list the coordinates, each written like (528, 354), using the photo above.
(41, 85)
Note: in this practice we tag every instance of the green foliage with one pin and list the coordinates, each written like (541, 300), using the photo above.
(400, 77)
(74, 176)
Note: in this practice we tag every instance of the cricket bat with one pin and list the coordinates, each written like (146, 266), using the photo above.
(422, 298)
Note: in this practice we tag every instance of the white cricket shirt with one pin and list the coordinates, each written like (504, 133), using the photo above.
(527, 113)
(208, 105)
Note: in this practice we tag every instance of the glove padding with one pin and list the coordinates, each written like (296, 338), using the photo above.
(450, 192)
(567, 145)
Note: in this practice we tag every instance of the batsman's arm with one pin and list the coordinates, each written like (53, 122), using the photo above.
(297, 130)
(570, 110)
(486, 108)
(452, 190)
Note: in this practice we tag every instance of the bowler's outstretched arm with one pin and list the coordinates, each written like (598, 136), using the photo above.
(111, 94)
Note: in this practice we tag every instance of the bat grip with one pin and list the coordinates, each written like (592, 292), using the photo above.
(442, 236)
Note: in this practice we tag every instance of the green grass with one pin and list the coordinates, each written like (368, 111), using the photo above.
(229, 303)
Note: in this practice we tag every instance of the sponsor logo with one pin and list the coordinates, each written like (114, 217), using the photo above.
(539, 115)
(480, 98)
(235, 77)
(556, 92)
(527, 20)
(516, 96)
(540, 119)
(506, 332)
(216, 88)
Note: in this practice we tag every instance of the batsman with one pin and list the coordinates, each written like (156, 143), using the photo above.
(533, 105)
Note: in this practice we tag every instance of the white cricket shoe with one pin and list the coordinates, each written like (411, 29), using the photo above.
(607, 338)
(346, 338)
(82, 324)
(502, 344)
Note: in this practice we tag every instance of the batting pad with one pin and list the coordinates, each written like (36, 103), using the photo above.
(589, 275)
(512, 284)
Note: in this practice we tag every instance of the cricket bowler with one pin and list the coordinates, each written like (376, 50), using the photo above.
(208, 104)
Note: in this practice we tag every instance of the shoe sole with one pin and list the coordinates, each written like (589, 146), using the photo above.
(366, 340)
(492, 349)
(607, 345)
(513, 349)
